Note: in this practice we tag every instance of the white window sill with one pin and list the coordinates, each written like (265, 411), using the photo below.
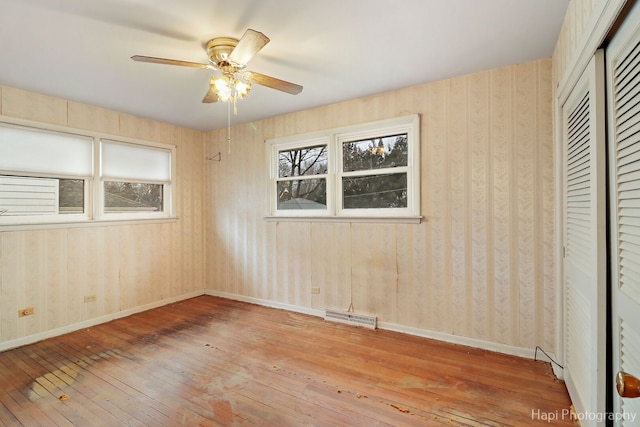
(370, 219)
(83, 224)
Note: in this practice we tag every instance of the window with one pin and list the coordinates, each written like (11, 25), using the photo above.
(367, 171)
(136, 179)
(20, 196)
(302, 176)
(51, 176)
(44, 175)
(120, 196)
(374, 172)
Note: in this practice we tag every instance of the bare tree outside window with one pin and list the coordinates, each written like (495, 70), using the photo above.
(375, 153)
(299, 186)
(379, 189)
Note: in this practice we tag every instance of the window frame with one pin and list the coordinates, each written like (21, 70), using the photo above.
(334, 139)
(94, 212)
(312, 141)
(167, 205)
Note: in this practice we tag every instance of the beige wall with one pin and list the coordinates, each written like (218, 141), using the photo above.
(480, 265)
(127, 267)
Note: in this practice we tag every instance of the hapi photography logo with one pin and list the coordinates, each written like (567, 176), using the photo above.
(572, 415)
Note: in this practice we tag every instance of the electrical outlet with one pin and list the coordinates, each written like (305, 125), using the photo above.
(90, 298)
(25, 312)
(315, 290)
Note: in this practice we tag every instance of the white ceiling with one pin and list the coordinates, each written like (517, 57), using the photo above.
(337, 49)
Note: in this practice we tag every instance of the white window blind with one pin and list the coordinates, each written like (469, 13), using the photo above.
(135, 162)
(43, 152)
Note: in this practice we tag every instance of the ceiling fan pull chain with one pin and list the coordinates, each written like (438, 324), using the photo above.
(229, 127)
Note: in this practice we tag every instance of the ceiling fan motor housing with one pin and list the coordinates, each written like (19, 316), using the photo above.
(219, 49)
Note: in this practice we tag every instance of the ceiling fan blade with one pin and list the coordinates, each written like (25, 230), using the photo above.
(250, 44)
(273, 83)
(210, 97)
(154, 60)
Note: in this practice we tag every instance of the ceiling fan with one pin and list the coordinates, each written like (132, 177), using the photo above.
(230, 56)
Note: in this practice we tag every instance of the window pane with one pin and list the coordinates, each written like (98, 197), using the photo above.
(132, 197)
(302, 194)
(25, 196)
(302, 161)
(375, 191)
(71, 196)
(375, 153)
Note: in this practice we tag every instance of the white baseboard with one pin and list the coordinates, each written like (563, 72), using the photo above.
(266, 303)
(30, 339)
(526, 353)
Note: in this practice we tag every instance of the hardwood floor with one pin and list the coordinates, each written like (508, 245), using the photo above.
(214, 362)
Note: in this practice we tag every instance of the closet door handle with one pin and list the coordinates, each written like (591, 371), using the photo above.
(627, 385)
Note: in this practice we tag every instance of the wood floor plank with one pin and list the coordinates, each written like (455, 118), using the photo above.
(99, 394)
(5, 413)
(215, 362)
(125, 387)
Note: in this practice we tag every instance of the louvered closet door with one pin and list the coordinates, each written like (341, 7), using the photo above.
(623, 87)
(584, 267)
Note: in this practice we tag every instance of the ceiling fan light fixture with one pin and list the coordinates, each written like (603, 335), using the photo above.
(229, 88)
(221, 87)
(242, 88)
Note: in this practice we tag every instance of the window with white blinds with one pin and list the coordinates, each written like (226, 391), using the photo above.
(44, 175)
(136, 179)
(52, 176)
